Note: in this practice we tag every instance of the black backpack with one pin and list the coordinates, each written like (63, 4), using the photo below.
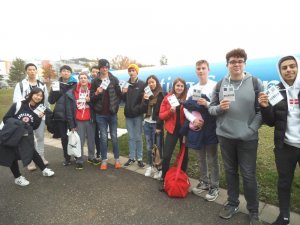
(255, 87)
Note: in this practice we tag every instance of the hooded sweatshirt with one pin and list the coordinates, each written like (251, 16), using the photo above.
(240, 121)
(292, 133)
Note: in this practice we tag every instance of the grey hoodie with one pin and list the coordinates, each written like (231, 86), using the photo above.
(240, 121)
(292, 136)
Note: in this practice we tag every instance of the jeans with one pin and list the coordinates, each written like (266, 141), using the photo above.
(286, 161)
(103, 122)
(149, 132)
(208, 156)
(135, 128)
(240, 154)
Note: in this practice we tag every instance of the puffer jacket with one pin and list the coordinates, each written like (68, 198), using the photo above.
(114, 93)
(277, 116)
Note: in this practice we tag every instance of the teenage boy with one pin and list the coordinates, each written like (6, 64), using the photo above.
(57, 96)
(22, 89)
(238, 120)
(105, 98)
(199, 97)
(285, 116)
(95, 74)
(134, 114)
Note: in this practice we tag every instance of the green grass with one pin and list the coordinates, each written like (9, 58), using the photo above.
(266, 169)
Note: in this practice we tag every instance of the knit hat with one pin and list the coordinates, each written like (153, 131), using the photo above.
(103, 62)
(134, 66)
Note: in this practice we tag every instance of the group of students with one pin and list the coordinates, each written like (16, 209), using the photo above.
(229, 112)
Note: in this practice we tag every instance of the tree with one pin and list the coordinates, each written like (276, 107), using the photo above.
(17, 70)
(163, 60)
(121, 62)
(48, 72)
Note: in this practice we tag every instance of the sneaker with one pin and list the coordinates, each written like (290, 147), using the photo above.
(201, 187)
(129, 162)
(157, 175)
(21, 181)
(31, 166)
(141, 164)
(281, 221)
(79, 166)
(45, 161)
(148, 171)
(66, 162)
(103, 165)
(47, 172)
(254, 220)
(228, 211)
(94, 161)
(212, 194)
(118, 164)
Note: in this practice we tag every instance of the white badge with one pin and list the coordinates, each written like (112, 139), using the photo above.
(123, 84)
(55, 86)
(228, 93)
(105, 84)
(274, 95)
(173, 101)
(148, 91)
(82, 97)
(39, 109)
(196, 94)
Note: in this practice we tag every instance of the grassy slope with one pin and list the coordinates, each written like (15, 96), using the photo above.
(266, 170)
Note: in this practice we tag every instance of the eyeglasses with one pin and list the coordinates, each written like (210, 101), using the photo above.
(233, 62)
(104, 67)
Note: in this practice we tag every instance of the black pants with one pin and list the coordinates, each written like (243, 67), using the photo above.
(286, 161)
(63, 128)
(36, 159)
(170, 143)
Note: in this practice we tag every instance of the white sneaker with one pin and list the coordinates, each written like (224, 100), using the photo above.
(31, 166)
(45, 161)
(47, 172)
(21, 181)
(157, 175)
(148, 171)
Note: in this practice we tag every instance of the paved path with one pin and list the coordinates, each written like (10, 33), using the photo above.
(92, 196)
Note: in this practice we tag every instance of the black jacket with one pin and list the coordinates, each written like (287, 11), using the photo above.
(16, 142)
(134, 99)
(277, 116)
(156, 107)
(59, 99)
(114, 93)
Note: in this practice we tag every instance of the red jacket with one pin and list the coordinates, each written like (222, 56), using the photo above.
(168, 116)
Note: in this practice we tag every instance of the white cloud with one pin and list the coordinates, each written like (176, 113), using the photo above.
(144, 30)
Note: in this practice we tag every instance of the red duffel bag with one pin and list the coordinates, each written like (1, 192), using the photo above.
(176, 183)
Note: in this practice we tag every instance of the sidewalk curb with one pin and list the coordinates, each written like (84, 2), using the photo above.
(267, 212)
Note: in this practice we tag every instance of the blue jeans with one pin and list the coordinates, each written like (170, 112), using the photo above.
(241, 155)
(135, 128)
(103, 121)
(149, 132)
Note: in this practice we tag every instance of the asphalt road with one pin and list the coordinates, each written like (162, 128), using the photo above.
(92, 196)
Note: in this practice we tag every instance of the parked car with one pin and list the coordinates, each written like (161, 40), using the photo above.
(3, 84)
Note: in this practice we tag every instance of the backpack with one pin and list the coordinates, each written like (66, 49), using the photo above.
(255, 88)
(38, 84)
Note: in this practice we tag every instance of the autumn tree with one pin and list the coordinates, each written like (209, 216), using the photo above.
(163, 60)
(48, 72)
(121, 62)
(17, 70)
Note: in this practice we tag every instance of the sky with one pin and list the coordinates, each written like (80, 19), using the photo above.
(183, 31)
